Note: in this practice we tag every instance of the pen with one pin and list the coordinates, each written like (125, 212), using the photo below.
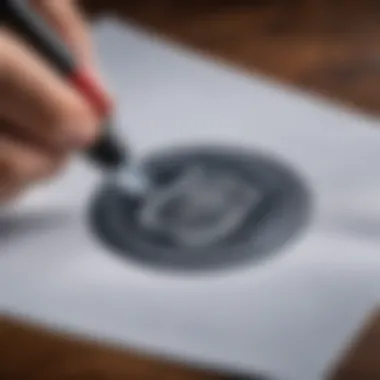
(107, 152)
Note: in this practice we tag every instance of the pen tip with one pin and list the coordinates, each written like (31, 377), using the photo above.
(108, 152)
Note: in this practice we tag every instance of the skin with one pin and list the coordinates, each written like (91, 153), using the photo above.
(42, 119)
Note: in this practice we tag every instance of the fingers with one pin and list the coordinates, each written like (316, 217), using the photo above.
(38, 103)
(67, 19)
(22, 165)
(46, 118)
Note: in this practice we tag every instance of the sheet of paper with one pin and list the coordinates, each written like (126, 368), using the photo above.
(292, 316)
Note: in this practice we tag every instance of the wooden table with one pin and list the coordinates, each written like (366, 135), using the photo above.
(361, 361)
(331, 47)
(28, 352)
(325, 46)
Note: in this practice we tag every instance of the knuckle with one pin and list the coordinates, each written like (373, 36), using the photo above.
(53, 166)
(24, 169)
(10, 195)
(45, 166)
(79, 124)
(4, 54)
(7, 174)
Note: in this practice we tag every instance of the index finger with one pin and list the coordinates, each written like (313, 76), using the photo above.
(67, 19)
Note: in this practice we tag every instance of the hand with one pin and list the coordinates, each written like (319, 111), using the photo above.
(42, 119)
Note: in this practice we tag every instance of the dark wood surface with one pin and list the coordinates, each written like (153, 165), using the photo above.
(28, 352)
(362, 360)
(331, 47)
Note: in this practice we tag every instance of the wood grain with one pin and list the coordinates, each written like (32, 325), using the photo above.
(331, 47)
(28, 352)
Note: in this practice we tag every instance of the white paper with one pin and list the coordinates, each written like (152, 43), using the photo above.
(291, 317)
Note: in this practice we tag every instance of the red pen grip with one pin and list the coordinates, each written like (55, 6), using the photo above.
(87, 86)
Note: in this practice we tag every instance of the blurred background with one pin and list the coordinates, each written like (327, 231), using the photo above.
(331, 47)
(328, 47)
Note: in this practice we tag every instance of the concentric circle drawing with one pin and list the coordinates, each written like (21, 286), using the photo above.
(211, 208)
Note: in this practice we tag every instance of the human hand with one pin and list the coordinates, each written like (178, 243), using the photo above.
(42, 118)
